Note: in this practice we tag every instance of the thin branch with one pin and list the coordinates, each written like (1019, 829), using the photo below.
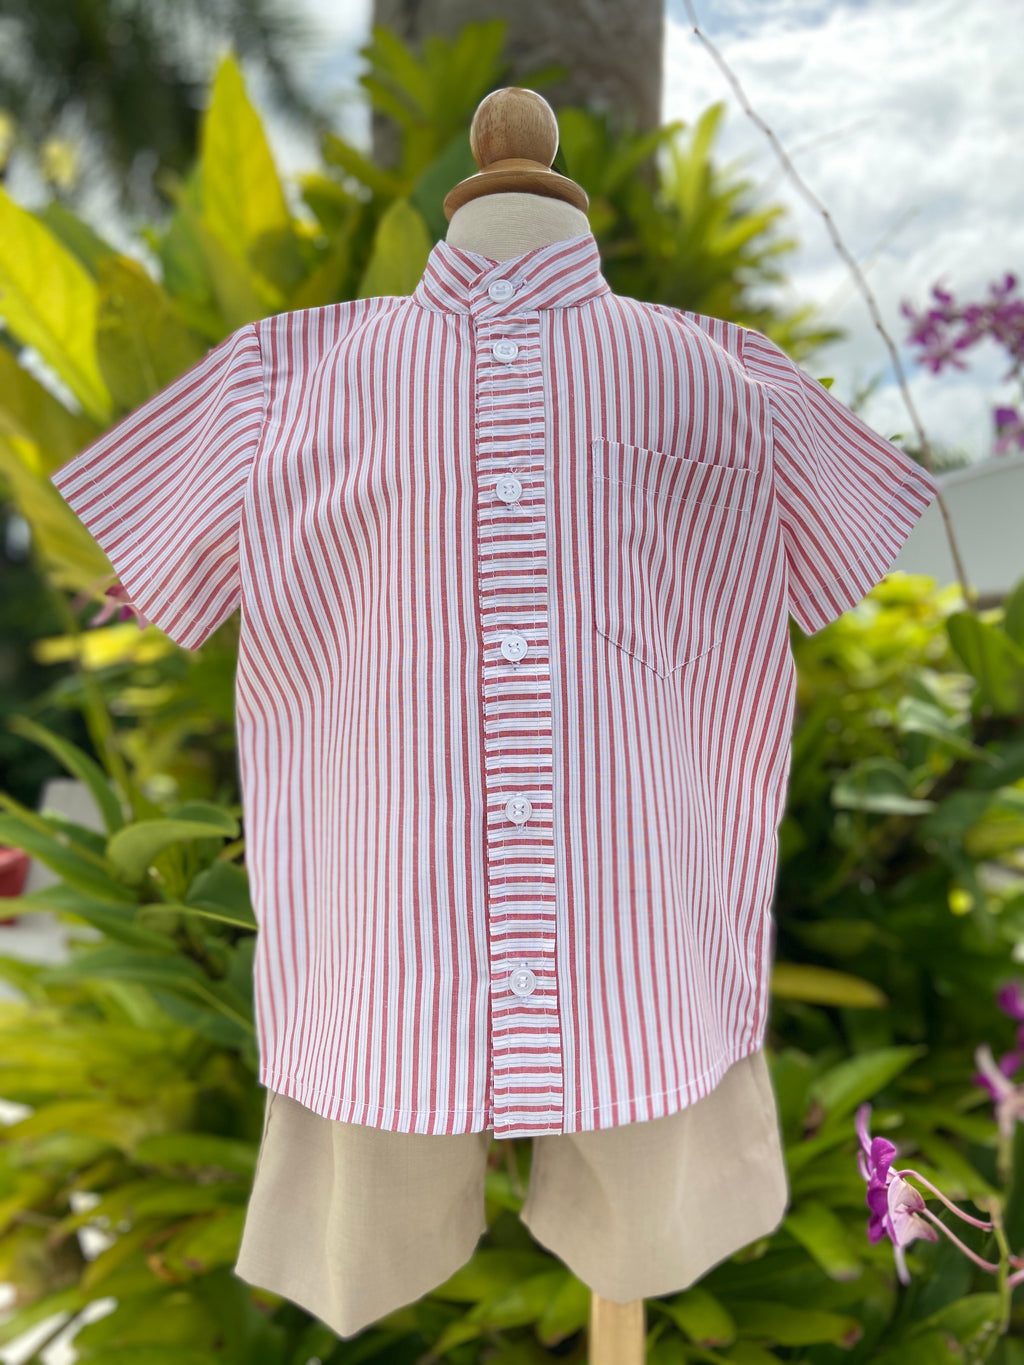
(969, 593)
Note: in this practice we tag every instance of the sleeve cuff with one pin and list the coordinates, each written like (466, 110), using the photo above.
(825, 604)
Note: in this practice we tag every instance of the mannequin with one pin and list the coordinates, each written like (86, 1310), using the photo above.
(502, 224)
(351, 1220)
(507, 223)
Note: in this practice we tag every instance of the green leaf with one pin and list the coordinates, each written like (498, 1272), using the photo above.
(117, 920)
(151, 1355)
(81, 872)
(860, 1078)
(824, 986)
(133, 849)
(914, 715)
(568, 1311)
(1013, 613)
(399, 254)
(993, 657)
(521, 1303)
(787, 1326)
(824, 1236)
(221, 891)
(455, 163)
(949, 1164)
(136, 1199)
(835, 937)
(199, 1152)
(175, 973)
(878, 784)
(1001, 829)
(934, 1348)
(48, 300)
(703, 1318)
(489, 1272)
(233, 1030)
(337, 152)
(750, 1353)
(955, 815)
(19, 1321)
(75, 761)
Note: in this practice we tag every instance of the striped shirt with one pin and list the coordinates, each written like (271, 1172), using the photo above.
(515, 557)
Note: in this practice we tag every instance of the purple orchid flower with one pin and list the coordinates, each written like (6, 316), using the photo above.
(1010, 1000)
(118, 605)
(897, 1209)
(995, 1077)
(1010, 428)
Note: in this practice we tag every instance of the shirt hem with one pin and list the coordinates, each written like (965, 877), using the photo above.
(398, 1120)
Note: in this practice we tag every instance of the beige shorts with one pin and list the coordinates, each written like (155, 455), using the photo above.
(351, 1222)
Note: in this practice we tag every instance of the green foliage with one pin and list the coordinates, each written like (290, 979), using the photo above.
(900, 905)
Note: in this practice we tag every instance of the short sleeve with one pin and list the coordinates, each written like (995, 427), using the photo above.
(162, 490)
(847, 499)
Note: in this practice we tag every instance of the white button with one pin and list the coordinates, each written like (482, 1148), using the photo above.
(508, 488)
(501, 290)
(514, 647)
(522, 981)
(505, 350)
(518, 809)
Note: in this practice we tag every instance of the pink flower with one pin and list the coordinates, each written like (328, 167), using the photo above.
(897, 1209)
(118, 605)
(1010, 428)
(1009, 1098)
(1010, 998)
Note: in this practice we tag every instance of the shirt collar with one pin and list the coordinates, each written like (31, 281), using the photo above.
(562, 274)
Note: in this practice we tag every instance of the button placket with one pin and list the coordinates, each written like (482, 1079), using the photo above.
(526, 1059)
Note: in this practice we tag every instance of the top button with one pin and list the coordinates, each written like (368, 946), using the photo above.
(500, 290)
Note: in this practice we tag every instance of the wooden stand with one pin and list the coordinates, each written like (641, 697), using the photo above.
(618, 1332)
(513, 138)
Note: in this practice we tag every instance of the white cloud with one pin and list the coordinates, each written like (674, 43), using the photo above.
(901, 119)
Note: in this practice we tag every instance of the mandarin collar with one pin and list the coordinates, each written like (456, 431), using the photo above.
(562, 274)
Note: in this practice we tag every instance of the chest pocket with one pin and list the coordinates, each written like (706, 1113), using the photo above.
(665, 534)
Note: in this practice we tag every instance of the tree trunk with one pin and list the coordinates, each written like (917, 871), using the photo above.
(613, 52)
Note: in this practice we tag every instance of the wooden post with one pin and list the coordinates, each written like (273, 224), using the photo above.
(618, 1332)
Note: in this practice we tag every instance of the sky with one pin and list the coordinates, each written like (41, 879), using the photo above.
(902, 118)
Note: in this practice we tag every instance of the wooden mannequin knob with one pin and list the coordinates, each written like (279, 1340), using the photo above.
(514, 137)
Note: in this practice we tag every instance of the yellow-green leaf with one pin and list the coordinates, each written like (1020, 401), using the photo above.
(48, 300)
(132, 849)
(29, 411)
(141, 343)
(824, 986)
(74, 557)
(76, 762)
(244, 205)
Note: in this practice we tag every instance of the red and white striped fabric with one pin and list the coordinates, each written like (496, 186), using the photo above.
(514, 556)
